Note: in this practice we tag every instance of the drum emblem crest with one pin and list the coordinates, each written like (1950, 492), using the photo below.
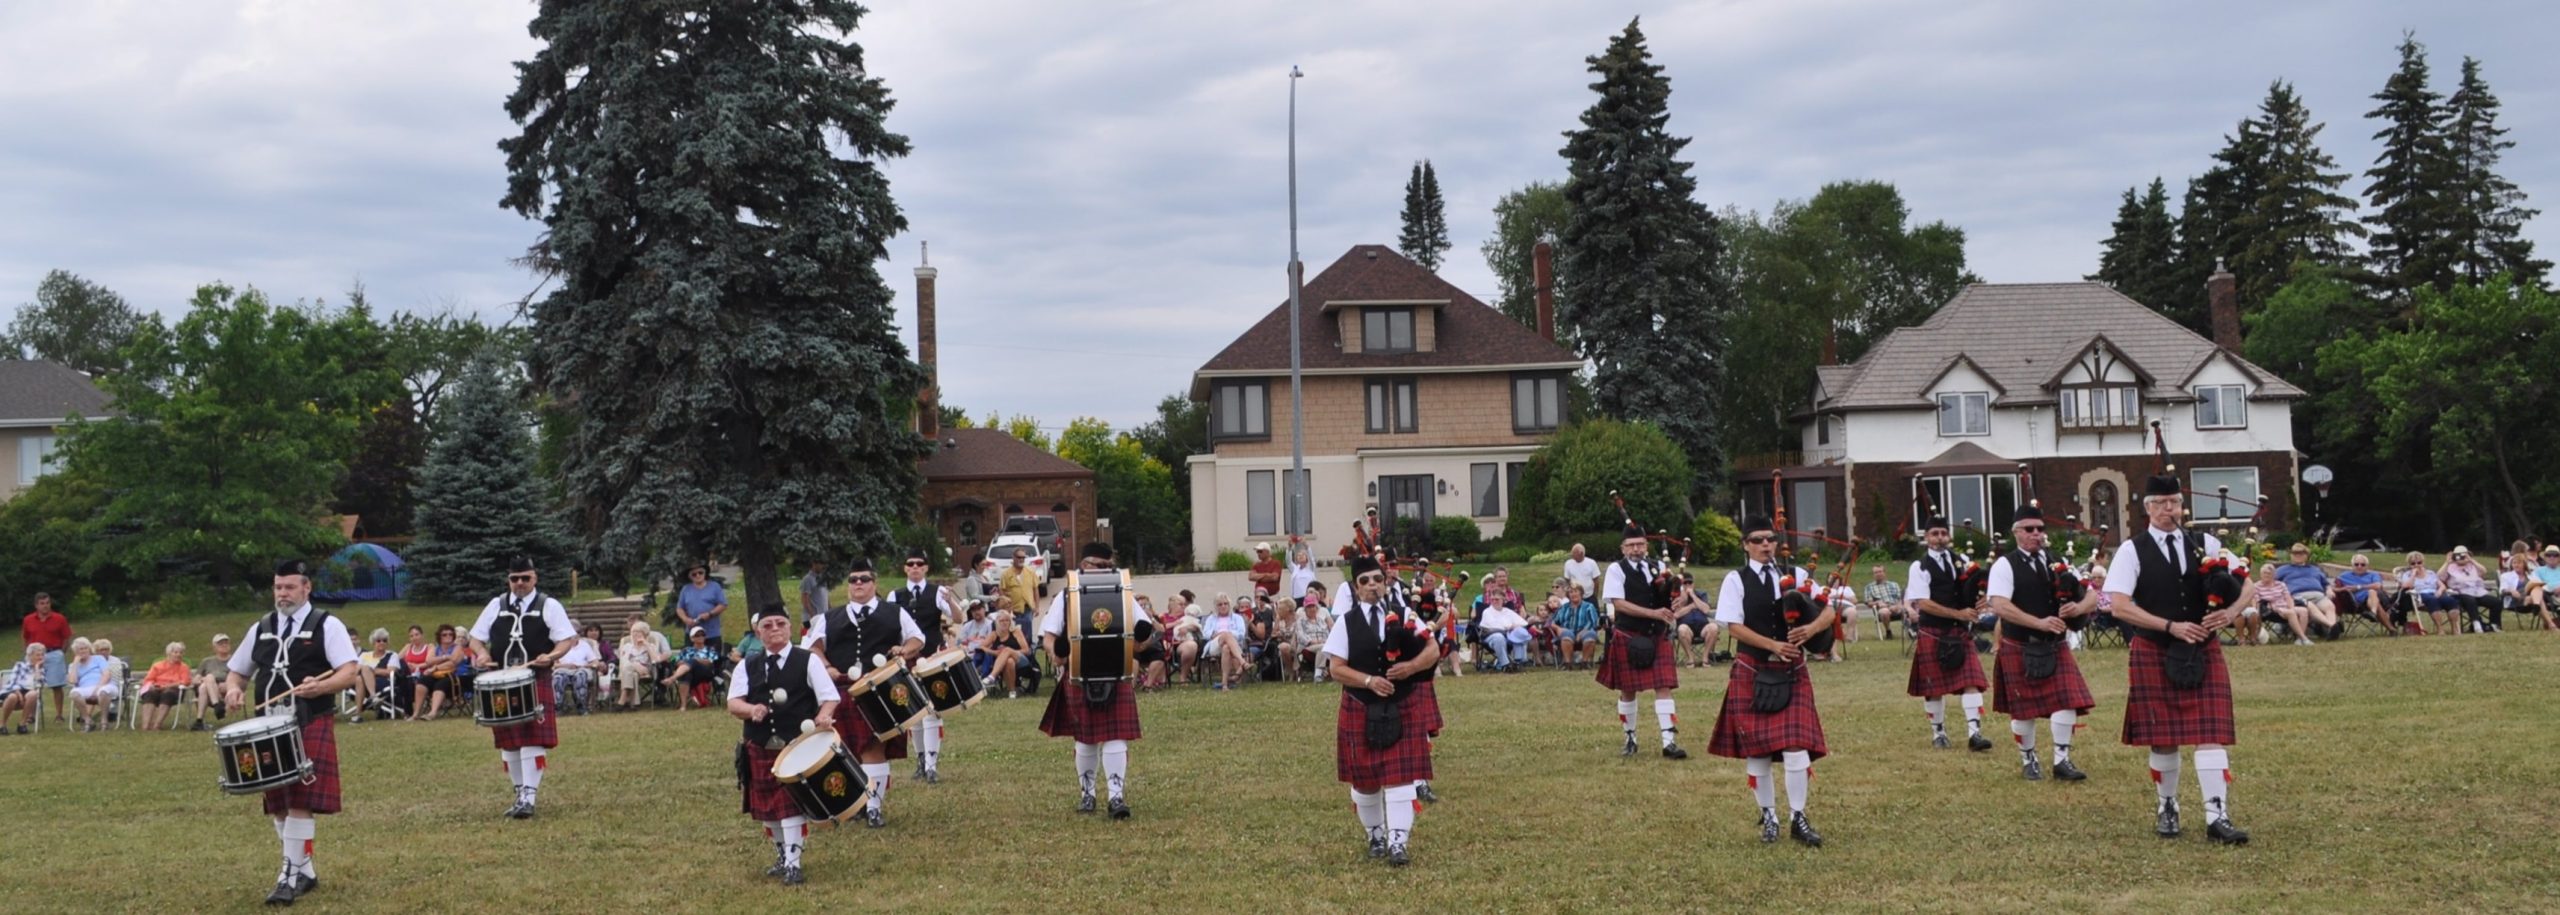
(498, 703)
(941, 690)
(248, 760)
(834, 784)
(898, 694)
(1102, 620)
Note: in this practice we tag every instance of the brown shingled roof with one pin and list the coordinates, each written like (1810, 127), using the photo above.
(993, 454)
(35, 391)
(1469, 332)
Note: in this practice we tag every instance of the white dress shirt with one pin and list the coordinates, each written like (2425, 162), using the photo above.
(2122, 573)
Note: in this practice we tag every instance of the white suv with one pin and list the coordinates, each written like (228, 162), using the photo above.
(1006, 546)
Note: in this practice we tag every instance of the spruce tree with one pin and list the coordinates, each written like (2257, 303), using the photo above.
(2298, 215)
(710, 185)
(478, 500)
(1435, 219)
(1638, 260)
(2486, 236)
(2412, 216)
(2140, 258)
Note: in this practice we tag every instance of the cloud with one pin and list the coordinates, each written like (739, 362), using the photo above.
(1105, 184)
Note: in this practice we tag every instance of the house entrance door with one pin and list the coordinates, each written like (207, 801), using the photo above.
(1408, 498)
(2103, 506)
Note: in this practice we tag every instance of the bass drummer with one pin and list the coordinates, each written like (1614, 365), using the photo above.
(304, 652)
(524, 628)
(847, 640)
(775, 694)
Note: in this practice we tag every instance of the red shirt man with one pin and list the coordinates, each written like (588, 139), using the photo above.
(45, 627)
(1266, 571)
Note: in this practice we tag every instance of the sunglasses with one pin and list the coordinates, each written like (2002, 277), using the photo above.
(915, 563)
(1371, 579)
(2032, 529)
(860, 579)
(514, 578)
(1760, 538)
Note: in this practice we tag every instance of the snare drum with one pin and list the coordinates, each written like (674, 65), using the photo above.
(505, 697)
(821, 777)
(950, 681)
(261, 754)
(889, 700)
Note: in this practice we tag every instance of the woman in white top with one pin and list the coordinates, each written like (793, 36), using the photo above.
(634, 660)
(574, 675)
(2466, 586)
(1302, 567)
(18, 689)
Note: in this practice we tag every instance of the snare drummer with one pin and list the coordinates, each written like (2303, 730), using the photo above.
(1101, 732)
(774, 693)
(524, 628)
(845, 640)
(304, 652)
(929, 605)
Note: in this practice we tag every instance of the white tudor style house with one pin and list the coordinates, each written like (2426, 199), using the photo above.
(35, 397)
(2062, 378)
(1420, 401)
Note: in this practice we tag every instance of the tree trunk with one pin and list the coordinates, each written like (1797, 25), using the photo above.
(761, 579)
(2515, 494)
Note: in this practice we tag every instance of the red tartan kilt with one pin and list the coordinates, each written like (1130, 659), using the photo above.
(765, 800)
(320, 795)
(857, 734)
(1742, 733)
(1429, 707)
(1369, 770)
(1615, 673)
(1069, 715)
(543, 731)
(2016, 696)
(2157, 714)
(1928, 679)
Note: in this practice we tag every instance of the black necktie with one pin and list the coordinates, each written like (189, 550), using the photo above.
(1765, 580)
(2177, 560)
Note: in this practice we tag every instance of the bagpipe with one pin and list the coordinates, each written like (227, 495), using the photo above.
(2226, 574)
(1972, 578)
(1669, 580)
(1801, 602)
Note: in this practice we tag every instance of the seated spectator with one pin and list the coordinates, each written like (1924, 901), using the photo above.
(577, 672)
(2421, 591)
(972, 638)
(1506, 634)
(1306, 635)
(93, 691)
(21, 688)
(1224, 635)
(211, 674)
(1542, 627)
(1844, 597)
(1010, 649)
(2277, 598)
(2358, 590)
(1283, 647)
(1578, 626)
(697, 667)
(440, 680)
(635, 661)
(1696, 631)
(1181, 625)
(162, 685)
(1156, 656)
(381, 668)
(1884, 602)
(2520, 592)
(1259, 632)
(2466, 585)
(2547, 575)
(2309, 584)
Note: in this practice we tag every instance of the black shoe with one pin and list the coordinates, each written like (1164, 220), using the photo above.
(1426, 794)
(776, 869)
(1802, 830)
(1086, 805)
(791, 876)
(2222, 832)
(922, 772)
(1939, 741)
(1377, 847)
(521, 811)
(1978, 743)
(303, 884)
(1630, 749)
(1119, 809)
(1768, 826)
(2031, 770)
(2063, 770)
(198, 726)
(1396, 857)
(283, 894)
(1673, 751)
(2168, 827)
(873, 818)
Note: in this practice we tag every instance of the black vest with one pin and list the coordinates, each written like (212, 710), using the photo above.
(1369, 655)
(2031, 588)
(1942, 591)
(1760, 611)
(1637, 584)
(2161, 590)
(851, 644)
(926, 611)
(305, 657)
(799, 702)
(502, 631)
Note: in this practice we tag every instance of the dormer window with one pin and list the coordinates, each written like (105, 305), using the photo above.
(1964, 413)
(2222, 406)
(1386, 330)
(2100, 406)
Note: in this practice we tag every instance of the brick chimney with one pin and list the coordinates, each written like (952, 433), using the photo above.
(1542, 274)
(1830, 345)
(929, 400)
(2222, 304)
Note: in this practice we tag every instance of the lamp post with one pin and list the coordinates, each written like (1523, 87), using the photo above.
(1299, 521)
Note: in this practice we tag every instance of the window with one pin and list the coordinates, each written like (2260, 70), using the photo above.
(1984, 503)
(1964, 414)
(1822, 430)
(2222, 406)
(2209, 504)
(1484, 484)
(1511, 482)
(1260, 512)
(35, 458)
(1391, 405)
(1386, 330)
(2100, 407)
(1537, 403)
(1240, 409)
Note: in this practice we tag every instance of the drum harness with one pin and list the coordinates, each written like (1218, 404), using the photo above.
(279, 674)
(515, 654)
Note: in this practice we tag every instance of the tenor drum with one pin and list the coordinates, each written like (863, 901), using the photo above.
(889, 700)
(261, 754)
(950, 681)
(821, 777)
(504, 697)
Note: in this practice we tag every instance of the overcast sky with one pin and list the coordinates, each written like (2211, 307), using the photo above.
(1104, 184)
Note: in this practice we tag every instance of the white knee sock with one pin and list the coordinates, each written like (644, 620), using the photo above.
(929, 742)
(1400, 805)
(533, 761)
(1973, 713)
(2025, 732)
(2063, 723)
(1115, 765)
(879, 775)
(1373, 813)
(1088, 757)
(1936, 706)
(1627, 717)
(1799, 778)
(2213, 774)
(299, 833)
(792, 834)
(773, 834)
(513, 760)
(1666, 717)
(1763, 789)
(2164, 776)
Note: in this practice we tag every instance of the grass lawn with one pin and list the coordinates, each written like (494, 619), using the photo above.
(2404, 774)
